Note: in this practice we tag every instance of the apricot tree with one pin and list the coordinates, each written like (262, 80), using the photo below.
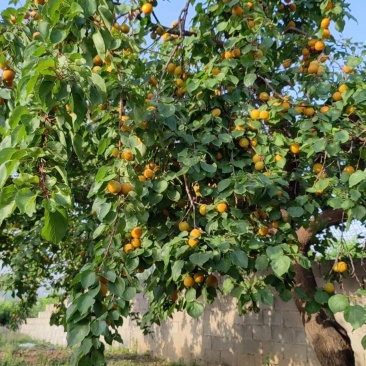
(219, 145)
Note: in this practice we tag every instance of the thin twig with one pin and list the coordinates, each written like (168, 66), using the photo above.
(192, 205)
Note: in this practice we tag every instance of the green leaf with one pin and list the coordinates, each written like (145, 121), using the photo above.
(357, 177)
(223, 184)
(338, 303)
(239, 258)
(312, 307)
(7, 202)
(280, 265)
(160, 186)
(200, 258)
(76, 333)
(274, 252)
(190, 295)
(58, 35)
(177, 269)
(210, 168)
(88, 278)
(6, 169)
(25, 199)
(99, 82)
(355, 315)
(195, 309)
(321, 297)
(99, 44)
(228, 285)
(353, 61)
(117, 287)
(85, 301)
(261, 263)
(55, 225)
(295, 211)
(249, 79)
(129, 293)
(98, 327)
(265, 296)
(363, 342)
(341, 136)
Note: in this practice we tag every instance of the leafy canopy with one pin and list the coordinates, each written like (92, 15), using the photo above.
(182, 151)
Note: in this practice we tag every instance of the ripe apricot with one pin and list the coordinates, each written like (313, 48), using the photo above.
(188, 281)
(136, 242)
(183, 226)
(195, 233)
(264, 96)
(236, 52)
(295, 148)
(199, 277)
(337, 96)
(124, 28)
(114, 187)
(222, 207)
(228, 55)
(216, 112)
(126, 188)
(127, 155)
(8, 75)
(263, 230)
(329, 288)
(317, 168)
(287, 63)
(340, 267)
(342, 88)
(324, 109)
(97, 61)
(278, 158)
(326, 33)
(192, 242)
(171, 68)
(325, 23)
(319, 46)
(103, 289)
(347, 69)
(259, 165)
(211, 281)
(128, 248)
(256, 158)
(147, 8)
(203, 210)
(244, 142)
(309, 111)
(136, 232)
(254, 114)
(148, 173)
(237, 10)
(264, 115)
(349, 169)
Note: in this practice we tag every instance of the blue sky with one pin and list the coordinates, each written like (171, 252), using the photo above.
(168, 11)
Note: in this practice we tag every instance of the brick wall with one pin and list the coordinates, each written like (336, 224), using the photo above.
(274, 336)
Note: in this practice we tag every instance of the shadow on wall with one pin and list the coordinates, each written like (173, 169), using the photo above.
(274, 336)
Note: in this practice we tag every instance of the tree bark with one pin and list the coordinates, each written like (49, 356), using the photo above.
(330, 341)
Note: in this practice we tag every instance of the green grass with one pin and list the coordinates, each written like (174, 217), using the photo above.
(43, 354)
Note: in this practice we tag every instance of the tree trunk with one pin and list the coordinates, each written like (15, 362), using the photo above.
(329, 340)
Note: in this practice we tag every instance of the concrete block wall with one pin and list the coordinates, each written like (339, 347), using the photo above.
(39, 328)
(273, 337)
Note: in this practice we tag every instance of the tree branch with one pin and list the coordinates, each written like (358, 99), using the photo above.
(326, 219)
